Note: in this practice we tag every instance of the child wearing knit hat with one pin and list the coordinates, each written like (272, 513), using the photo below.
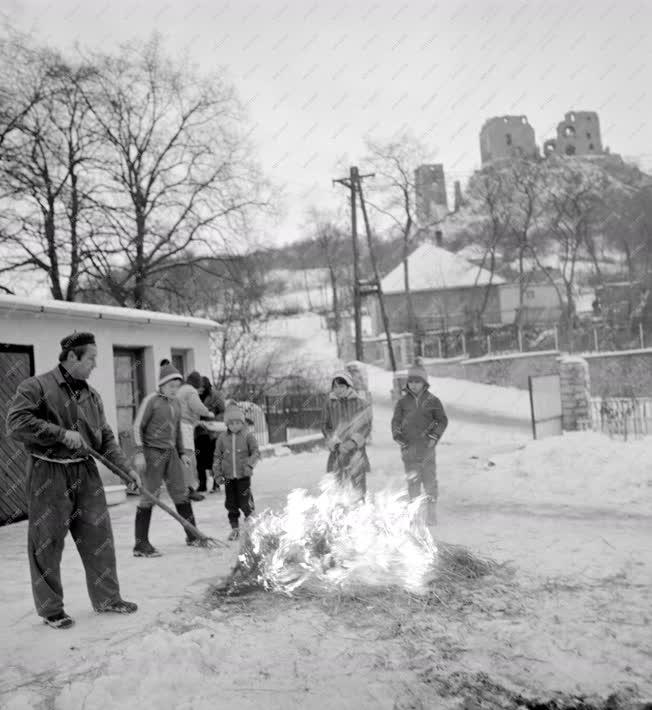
(236, 454)
(161, 456)
(418, 423)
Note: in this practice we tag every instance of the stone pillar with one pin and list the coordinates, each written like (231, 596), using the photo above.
(575, 393)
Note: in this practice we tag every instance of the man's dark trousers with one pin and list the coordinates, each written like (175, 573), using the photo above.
(64, 497)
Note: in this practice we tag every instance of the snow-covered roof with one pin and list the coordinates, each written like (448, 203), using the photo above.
(98, 312)
(432, 268)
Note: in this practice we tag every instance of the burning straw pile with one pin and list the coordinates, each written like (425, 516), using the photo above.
(330, 543)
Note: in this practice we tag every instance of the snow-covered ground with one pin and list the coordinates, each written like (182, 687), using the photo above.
(571, 513)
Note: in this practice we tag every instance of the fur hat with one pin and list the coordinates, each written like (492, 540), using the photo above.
(168, 373)
(194, 379)
(233, 412)
(77, 340)
(342, 375)
(418, 371)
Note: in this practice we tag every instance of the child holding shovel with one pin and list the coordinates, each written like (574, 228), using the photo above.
(417, 425)
(236, 454)
(161, 457)
(346, 425)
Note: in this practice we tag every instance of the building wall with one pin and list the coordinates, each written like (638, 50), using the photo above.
(541, 303)
(577, 134)
(506, 137)
(430, 193)
(44, 331)
(437, 309)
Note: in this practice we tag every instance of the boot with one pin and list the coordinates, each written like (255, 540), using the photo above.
(185, 511)
(59, 621)
(118, 606)
(143, 548)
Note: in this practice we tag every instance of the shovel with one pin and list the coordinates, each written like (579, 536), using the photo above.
(204, 539)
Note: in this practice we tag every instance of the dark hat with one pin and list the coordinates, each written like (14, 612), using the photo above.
(194, 379)
(77, 340)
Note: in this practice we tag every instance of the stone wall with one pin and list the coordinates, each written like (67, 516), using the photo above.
(621, 374)
(503, 370)
(575, 385)
(618, 374)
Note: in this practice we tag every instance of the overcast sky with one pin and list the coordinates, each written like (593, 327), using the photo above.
(320, 76)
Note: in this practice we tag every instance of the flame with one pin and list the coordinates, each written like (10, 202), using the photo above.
(335, 542)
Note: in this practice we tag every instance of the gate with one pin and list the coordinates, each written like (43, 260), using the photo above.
(16, 364)
(545, 405)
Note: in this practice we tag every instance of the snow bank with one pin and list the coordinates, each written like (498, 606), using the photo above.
(584, 469)
(473, 397)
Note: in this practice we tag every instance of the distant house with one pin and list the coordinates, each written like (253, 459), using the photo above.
(446, 289)
(130, 344)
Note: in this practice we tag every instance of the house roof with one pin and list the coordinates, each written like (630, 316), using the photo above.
(432, 268)
(97, 312)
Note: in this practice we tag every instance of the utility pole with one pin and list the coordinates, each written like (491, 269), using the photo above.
(376, 286)
(351, 182)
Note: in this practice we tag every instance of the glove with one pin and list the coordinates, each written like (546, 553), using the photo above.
(333, 443)
(135, 478)
(348, 446)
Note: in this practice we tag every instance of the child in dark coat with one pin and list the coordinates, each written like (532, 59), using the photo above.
(346, 425)
(236, 454)
(417, 425)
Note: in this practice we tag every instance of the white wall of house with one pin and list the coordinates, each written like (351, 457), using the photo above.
(21, 323)
(542, 300)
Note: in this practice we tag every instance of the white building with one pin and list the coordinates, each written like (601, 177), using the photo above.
(130, 344)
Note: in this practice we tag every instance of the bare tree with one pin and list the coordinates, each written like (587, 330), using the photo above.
(392, 195)
(574, 193)
(488, 216)
(176, 180)
(332, 243)
(42, 172)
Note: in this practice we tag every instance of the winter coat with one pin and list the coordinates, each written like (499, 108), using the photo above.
(235, 455)
(346, 419)
(192, 410)
(417, 421)
(44, 407)
(158, 423)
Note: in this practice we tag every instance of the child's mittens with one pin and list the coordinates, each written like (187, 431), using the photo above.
(333, 443)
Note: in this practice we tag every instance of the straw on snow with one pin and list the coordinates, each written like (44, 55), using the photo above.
(330, 542)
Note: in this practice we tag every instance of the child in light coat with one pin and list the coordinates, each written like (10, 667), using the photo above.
(160, 456)
(236, 455)
(346, 425)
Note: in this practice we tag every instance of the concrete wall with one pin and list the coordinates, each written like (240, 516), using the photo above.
(618, 374)
(44, 331)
